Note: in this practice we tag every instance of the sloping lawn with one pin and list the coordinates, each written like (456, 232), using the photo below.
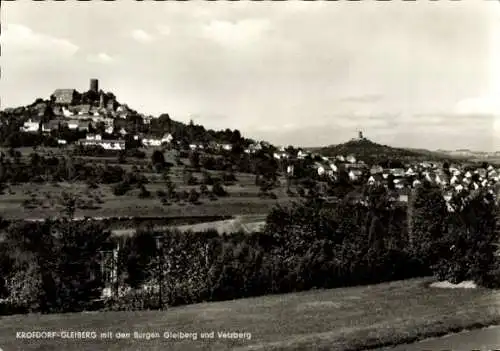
(339, 319)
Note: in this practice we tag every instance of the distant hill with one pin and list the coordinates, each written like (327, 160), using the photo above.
(370, 151)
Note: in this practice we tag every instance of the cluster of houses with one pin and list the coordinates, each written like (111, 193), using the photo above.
(81, 117)
(453, 180)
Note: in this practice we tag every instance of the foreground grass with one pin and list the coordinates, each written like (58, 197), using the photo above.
(339, 319)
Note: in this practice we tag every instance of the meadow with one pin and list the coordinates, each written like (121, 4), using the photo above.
(353, 318)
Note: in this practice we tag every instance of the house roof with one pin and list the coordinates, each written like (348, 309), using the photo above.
(376, 177)
(84, 109)
(376, 169)
(51, 124)
(34, 119)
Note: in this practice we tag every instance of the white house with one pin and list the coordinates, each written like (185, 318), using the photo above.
(301, 154)
(321, 170)
(109, 130)
(30, 126)
(375, 179)
(167, 138)
(410, 172)
(93, 137)
(61, 142)
(351, 159)
(113, 144)
(280, 155)
(227, 147)
(333, 167)
(195, 146)
(73, 124)
(66, 112)
(398, 172)
(354, 174)
(151, 142)
(454, 179)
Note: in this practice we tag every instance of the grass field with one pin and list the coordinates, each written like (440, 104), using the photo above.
(243, 199)
(248, 224)
(45, 198)
(340, 319)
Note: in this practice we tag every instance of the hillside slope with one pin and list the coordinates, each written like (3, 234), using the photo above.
(352, 318)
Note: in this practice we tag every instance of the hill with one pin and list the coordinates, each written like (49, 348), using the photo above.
(103, 109)
(369, 151)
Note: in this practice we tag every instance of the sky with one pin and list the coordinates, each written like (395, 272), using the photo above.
(417, 74)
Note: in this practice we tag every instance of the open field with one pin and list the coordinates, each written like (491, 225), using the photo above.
(242, 199)
(248, 224)
(339, 319)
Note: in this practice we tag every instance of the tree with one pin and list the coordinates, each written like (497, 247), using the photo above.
(468, 250)
(194, 159)
(193, 196)
(158, 159)
(235, 137)
(218, 190)
(69, 203)
(427, 214)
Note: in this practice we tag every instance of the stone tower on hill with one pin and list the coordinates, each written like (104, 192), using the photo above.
(94, 85)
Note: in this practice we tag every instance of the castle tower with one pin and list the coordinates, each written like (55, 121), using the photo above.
(360, 135)
(94, 85)
(101, 100)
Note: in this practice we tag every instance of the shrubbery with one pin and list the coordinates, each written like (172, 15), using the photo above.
(218, 190)
(53, 266)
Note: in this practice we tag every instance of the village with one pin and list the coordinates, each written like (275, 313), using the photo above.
(108, 117)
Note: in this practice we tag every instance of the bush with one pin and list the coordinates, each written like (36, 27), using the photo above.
(136, 300)
(192, 180)
(207, 179)
(194, 196)
(218, 190)
(466, 250)
(301, 191)
(182, 195)
(204, 189)
(228, 177)
(157, 158)
(144, 193)
(161, 193)
(92, 185)
(121, 188)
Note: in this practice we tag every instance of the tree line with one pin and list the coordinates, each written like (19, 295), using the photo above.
(54, 266)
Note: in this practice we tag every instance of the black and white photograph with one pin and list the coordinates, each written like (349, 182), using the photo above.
(250, 175)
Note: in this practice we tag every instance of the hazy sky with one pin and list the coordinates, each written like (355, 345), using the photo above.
(416, 74)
